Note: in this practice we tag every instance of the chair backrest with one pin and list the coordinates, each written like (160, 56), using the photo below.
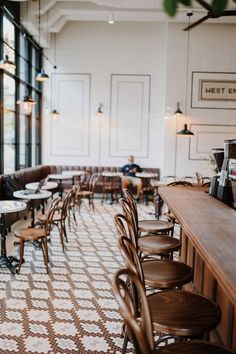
(130, 199)
(190, 179)
(140, 331)
(92, 182)
(130, 256)
(53, 207)
(66, 203)
(169, 179)
(124, 228)
(180, 183)
(129, 213)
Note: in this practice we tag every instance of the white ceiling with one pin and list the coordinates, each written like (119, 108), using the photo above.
(56, 13)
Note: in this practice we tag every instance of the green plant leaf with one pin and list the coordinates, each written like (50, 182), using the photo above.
(186, 2)
(218, 6)
(170, 7)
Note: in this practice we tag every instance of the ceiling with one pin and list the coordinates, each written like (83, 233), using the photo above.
(56, 13)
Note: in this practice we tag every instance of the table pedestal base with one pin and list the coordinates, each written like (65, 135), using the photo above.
(8, 262)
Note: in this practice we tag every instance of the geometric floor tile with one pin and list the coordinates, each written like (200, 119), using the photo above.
(71, 309)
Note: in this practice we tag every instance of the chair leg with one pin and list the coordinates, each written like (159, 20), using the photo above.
(22, 246)
(74, 216)
(44, 250)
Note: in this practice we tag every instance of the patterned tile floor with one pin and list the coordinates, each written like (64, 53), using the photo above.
(71, 310)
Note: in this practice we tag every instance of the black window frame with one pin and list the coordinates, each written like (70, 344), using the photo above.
(31, 85)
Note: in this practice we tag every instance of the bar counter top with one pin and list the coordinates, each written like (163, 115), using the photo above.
(210, 225)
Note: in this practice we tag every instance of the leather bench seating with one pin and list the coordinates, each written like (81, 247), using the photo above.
(35, 174)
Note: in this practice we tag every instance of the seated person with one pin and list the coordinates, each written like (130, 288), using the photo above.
(129, 170)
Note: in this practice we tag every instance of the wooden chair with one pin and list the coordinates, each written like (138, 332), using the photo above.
(158, 274)
(89, 192)
(149, 245)
(149, 226)
(202, 180)
(38, 234)
(60, 217)
(140, 329)
(175, 314)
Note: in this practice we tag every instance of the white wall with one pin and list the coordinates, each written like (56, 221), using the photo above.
(102, 50)
(154, 49)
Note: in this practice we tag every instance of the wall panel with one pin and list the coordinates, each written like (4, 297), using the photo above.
(129, 121)
(70, 131)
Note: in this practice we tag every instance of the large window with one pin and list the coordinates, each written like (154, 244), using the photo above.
(20, 133)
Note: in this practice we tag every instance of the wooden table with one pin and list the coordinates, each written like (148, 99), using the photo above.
(208, 235)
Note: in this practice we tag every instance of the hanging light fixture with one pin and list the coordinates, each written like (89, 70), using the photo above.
(54, 112)
(42, 76)
(111, 20)
(6, 63)
(178, 111)
(186, 132)
(26, 104)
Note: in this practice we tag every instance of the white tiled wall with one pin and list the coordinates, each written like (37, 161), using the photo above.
(154, 49)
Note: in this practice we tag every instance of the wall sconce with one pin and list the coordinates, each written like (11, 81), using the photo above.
(178, 111)
(99, 111)
(6, 63)
(54, 114)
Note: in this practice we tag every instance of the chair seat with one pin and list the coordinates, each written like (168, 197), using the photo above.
(166, 274)
(85, 193)
(158, 244)
(183, 313)
(153, 226)
(30, 234)
(193, 347)
(56, 217)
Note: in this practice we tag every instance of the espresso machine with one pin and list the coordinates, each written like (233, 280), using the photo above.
(218, 156)
(224, 192)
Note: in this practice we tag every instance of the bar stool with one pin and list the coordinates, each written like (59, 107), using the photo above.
(158, 274)
(149, 245)
(149, 226)
(175, 313)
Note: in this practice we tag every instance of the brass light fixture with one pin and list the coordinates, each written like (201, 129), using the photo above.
(186, 132)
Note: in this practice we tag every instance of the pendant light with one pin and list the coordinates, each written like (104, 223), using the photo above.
(186, 132)
(42, 76)
(6, 63)
(26, 104)
(54, 112)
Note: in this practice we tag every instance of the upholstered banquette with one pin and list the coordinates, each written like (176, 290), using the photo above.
(35, 174)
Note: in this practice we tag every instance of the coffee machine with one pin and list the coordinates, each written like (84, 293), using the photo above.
(218, 156)
(224, 192)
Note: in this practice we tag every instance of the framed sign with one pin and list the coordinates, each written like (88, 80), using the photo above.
(213, 90)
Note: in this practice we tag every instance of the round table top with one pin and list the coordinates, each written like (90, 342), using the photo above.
(73, 173)
(11, 206)
(24, 194)
(112, 174)
(59, 176)
(158, 183)
(146, 175)
(48, 185)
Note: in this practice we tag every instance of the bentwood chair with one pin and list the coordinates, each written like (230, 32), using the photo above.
(172, 314)
(60, 217)
(157, 274)
(148, 245)
(38, 234)
(140, 329)
(89, 192)
(149, 226)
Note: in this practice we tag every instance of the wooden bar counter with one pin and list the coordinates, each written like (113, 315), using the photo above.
(208, 235)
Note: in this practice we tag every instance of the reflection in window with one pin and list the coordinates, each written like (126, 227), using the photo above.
(9, 41)
(9, 115)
